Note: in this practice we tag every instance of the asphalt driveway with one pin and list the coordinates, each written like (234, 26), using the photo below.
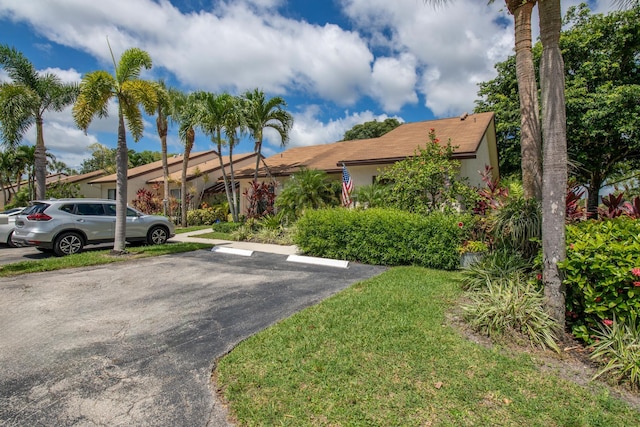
(134, 343)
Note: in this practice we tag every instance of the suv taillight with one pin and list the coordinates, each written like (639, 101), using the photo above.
(39, 217)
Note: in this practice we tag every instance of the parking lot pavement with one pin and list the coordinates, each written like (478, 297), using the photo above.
(134, 343)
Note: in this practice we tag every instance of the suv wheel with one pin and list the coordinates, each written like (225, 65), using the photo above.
(68, 244)
(157, 235)
(9, 242)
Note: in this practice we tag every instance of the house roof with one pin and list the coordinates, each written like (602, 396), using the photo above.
(465, 133)
(202, 168)
(153, 167)
(78, 178)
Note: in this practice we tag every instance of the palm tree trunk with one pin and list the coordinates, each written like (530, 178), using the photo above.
(236, 204)
(258, 150)
(122, 167)
(530, 137)
(161, 124)
(227, 190)
(554, 180)
(191, 135)
(41, 162)
(593, 197)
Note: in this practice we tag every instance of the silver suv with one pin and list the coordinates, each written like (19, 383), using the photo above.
(65, 226)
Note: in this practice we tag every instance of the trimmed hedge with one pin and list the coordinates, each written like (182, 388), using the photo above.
(602, 272)
(384, 236)
(207, 216)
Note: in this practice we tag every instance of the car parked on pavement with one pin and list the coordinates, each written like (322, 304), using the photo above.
(6, 229)
(66, 226)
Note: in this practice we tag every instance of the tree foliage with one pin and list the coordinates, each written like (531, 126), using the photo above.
(306, 189)
(602, 91)
(427, 181)
(372, 129)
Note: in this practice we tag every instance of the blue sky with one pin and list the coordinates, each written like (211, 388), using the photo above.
(337, 63)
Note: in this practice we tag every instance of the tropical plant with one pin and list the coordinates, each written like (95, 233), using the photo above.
(617, 346)
(500, 265)
(163, 112)
(371, 196)
(25, 100)
(518, 226)
(514, 306)
(305, 189)
(224, 114)
(427, 181)
(260, 198)
(126, 87)
(186, 110)
(261, 113)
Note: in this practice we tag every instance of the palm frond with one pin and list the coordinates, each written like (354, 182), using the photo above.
(96, 89)
(131, 63)
(18, 105)
(142, 92)
(17, 66)
(132, 114)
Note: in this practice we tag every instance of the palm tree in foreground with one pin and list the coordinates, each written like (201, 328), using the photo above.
(554, 137)
(24, 101)
(126, 87)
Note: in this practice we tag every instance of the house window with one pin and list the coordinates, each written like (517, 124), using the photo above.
(111, 193)
(175, 193)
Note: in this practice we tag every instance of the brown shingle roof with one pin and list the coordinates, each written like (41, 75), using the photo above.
(398, 144)
(202, 168)
(151, 167)
(77, 178)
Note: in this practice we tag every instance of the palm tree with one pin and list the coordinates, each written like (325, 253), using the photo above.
(163, 111)
(554, 175)
(554, 136)
(126, 87)
(185, 110)
(24, 101)
(224, 114)
(530, 136)
(266, 113)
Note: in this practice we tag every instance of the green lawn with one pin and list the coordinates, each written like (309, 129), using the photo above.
(88, 258)
(382, 354)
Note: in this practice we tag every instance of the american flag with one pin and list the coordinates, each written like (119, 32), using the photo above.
(347, 187)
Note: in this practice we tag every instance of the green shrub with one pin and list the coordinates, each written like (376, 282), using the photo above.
(602, 273)
(512, 306)
(500, 265)
(518, 226)
(618, 347)
(207, 216)
(225, 227)
(384, 236)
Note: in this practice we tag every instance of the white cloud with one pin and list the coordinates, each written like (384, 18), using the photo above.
(66, 76)
(68, 144)
(394, 82)
(309, 130)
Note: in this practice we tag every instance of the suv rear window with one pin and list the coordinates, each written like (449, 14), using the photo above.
(35, 208)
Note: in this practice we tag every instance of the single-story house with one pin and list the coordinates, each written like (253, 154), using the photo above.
(85, 189)
(203, 173)
(472, 135)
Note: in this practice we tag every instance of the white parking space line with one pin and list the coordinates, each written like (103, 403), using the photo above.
(318, 261)
(233, 251)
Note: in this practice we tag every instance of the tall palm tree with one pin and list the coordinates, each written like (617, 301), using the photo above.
(24, 101)
(126, 87)
(554, 177)
(163, 111)
(530, 135)
(554, 137)
(266, 113)
(224, 114)
(185, 110)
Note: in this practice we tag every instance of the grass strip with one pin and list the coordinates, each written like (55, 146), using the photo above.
(215, 235)
(93, 257)
(381, 353)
